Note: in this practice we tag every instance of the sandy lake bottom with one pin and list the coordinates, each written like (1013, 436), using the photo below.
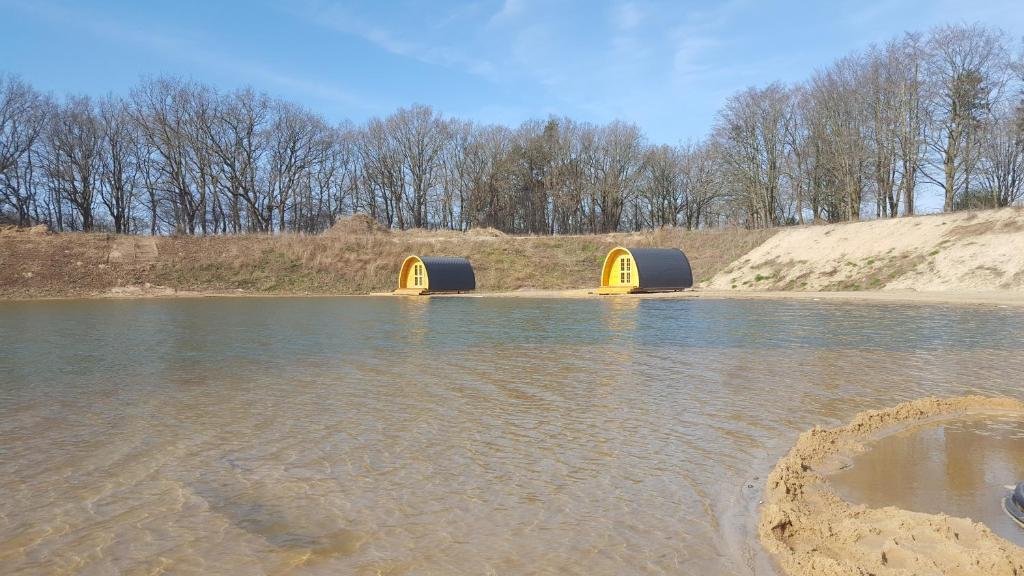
(456, 435)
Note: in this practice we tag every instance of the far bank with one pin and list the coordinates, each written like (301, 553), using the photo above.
(966, 257)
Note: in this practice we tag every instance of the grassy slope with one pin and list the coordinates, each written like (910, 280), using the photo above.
(47, 265)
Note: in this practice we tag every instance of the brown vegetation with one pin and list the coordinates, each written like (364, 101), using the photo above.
(352, 259)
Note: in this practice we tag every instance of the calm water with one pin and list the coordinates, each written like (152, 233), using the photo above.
(962, 467)
(445, 436)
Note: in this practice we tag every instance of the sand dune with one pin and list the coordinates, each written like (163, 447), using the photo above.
(967, 251)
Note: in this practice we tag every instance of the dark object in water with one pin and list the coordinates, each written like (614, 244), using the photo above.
(1014, 504)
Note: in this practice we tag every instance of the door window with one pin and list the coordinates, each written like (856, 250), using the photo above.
(625, 270)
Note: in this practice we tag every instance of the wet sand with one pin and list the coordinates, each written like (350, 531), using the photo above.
(996, 298)
(811, 530)
(992, 298)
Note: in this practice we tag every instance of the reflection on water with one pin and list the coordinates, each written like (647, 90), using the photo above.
(958, 467)
(444, 436)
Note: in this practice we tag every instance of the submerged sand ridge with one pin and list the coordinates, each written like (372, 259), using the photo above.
(811, 530)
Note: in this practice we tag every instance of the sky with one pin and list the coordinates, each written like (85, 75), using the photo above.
(667, 66)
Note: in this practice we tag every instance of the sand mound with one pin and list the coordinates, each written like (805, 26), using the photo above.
(485, 233)
(970, 251)
(10, 230)
(354, 225)
(811, 531)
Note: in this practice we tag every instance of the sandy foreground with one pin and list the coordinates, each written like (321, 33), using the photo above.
(811, 531)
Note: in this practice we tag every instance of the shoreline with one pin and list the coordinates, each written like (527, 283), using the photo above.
(997, 298)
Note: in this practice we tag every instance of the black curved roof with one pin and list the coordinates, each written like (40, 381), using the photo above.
(660, 268)
(449, 274)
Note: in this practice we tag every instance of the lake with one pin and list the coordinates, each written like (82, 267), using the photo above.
(440, 436)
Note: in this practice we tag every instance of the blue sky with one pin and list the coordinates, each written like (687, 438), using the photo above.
(666, 66)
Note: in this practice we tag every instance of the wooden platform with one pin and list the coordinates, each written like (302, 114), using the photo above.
(410, 292)
(605, 290)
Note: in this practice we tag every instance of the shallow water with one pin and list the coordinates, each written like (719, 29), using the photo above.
(439, 436)
(961, 467)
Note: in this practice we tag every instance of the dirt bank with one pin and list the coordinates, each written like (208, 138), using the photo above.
(965, 251)
(349, 260)
(971, 256)
(811, 531)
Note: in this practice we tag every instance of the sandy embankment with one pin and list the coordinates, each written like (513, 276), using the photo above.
(812, 531)
(959, 252)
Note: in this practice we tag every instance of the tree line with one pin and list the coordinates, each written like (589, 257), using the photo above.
(859, 138)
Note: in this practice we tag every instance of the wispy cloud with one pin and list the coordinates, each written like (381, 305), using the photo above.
(510, 10)
(183, 47)
(627, 16)
(342, 19)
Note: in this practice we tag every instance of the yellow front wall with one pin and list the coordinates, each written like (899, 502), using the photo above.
(623, 272)
(410, 275)
(613, 278)
(620, 270)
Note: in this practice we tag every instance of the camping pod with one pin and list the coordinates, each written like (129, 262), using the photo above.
(630, 270)
(435, 274)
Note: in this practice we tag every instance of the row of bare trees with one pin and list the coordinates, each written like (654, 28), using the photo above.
(861, 137)
(179, 157)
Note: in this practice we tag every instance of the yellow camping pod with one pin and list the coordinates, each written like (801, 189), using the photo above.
(435, 274)
(629, 270)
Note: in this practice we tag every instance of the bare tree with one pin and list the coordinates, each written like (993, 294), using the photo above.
(967, 68)
(1001, 159)
(840, 113)
(75, 158)
(164, 109)
(119, 176)
(906, 61)
(420, 136)
(238, 141)
(298, 140)
(751, 133)
(23, 117)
